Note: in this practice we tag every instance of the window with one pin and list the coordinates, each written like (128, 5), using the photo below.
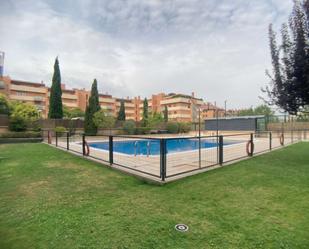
(21, 93)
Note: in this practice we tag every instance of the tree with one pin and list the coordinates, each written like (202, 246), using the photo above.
(246, 112)
(289, 82)
(55, 100)
(72, 112)
(22, 115)
(103, 120)
(165, 113)
(4, 105)
(26, 111)
(155, 120)
(259, 110)
(92, 107)
(122, 112)
(145, 113)
(263, 110)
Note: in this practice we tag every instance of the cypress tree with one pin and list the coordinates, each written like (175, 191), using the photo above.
(55, 100)
(145, 112)
(122, 112)
(92, 107)
(165, 114)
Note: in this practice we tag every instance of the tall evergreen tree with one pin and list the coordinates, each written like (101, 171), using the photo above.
(145, 113)
(122, 112)
(301, 55)
(55, 100)
(165, 114)
(289, 86)
(92, 107)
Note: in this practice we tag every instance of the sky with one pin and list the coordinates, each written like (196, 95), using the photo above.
(217, 49)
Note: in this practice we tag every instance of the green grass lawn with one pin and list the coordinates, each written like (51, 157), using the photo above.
(52, 199)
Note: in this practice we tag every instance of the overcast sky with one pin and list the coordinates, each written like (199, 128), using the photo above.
(217, 49)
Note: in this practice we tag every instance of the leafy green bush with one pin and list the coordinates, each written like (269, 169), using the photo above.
(184, 127)
(172, 127)
(27, 134)
(17, 123)
(129, 127)
(103, 120)
(60, 129)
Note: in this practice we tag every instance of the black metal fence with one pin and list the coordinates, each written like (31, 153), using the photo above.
(167, 157)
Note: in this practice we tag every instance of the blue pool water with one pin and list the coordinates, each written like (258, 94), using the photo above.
(141, 147)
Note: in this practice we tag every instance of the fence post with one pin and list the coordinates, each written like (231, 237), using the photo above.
(163, 159)
(270, 140)
(68, 140)
(111, 150)
(84, 152)
(221, 150)
(56, 139)
(199, 152)
(252, 144)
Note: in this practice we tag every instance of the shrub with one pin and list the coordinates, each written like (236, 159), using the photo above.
(184, 127)
(129, 127)
(27, 134)
(17, 123)
(60, 129)
(172, 127)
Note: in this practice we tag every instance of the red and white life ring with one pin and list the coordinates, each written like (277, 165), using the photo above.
(250, 148)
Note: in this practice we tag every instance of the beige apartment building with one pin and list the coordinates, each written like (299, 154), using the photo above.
(181, 107)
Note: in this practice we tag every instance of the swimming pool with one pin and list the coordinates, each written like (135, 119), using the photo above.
(152, 147)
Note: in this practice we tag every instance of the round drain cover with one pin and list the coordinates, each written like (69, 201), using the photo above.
(181, 227)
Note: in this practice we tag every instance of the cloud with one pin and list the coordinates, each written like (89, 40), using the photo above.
(219, 50)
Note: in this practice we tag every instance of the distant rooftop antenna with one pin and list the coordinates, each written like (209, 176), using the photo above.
(1, 63)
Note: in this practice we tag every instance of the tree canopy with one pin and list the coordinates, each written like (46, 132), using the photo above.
(259, 110)
(165, 113)
(145, 113)
(4, 105)
(55, 100)
(103, 120)
(92, 107)
(72, 112)
(289, 81)
(122, 112)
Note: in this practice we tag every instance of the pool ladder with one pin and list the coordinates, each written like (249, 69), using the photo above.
(136, 148)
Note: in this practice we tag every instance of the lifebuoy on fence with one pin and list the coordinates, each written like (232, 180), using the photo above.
(282, 139)
(250, 148)
(87, 149)
(49, 137)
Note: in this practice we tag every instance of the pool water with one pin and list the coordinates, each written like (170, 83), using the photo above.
(152, 147)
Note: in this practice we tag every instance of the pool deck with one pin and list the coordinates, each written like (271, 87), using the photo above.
(178, 165)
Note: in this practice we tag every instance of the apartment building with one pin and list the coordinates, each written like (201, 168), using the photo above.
(181, 107)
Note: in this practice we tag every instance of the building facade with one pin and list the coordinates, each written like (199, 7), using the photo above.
(181, 107)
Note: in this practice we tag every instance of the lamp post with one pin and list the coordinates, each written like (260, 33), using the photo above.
(225, 108)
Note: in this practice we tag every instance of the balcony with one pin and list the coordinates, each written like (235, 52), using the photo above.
(28, 88)
(68, 96)
(174, 101)
(38, 98)
(27, 98)
(107, 100)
